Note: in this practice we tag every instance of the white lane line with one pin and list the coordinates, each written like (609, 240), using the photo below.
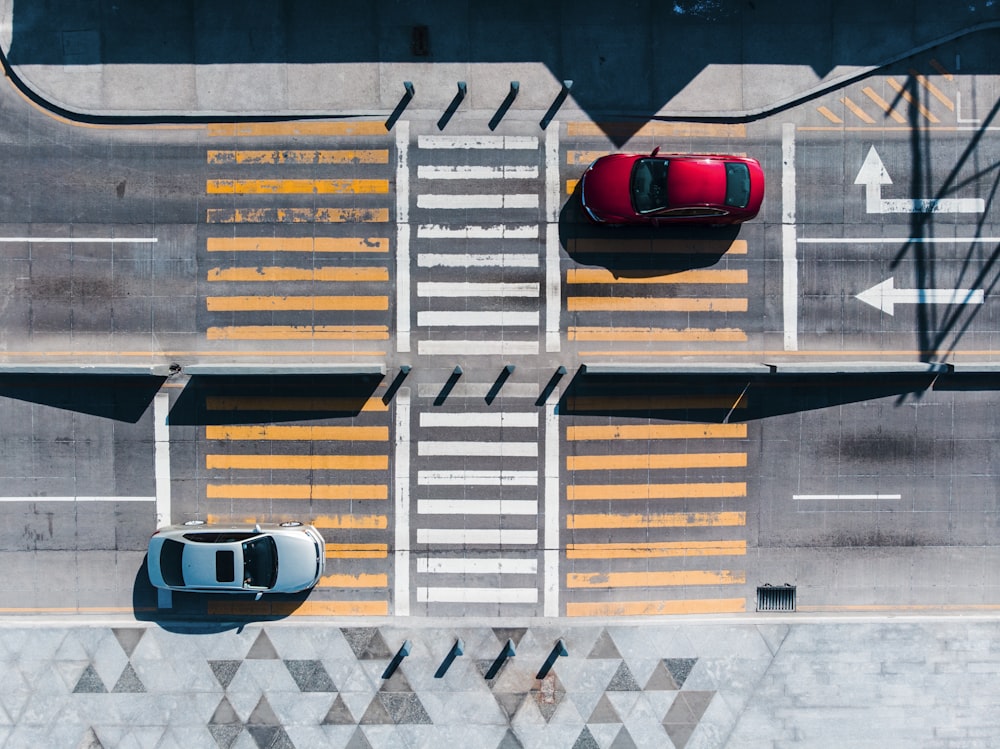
(81, 240)
(479, 390)
(463, 290)
(477, 566)
(846, 496)
(403, 172)
(509, 142)
(477, 507)
(463, 201)
(161, 457)
(789, 260)
(81, 498)
(401, 596)
(898, 240)
(477, 348)
(485, 419)
(478, 449)
(500, 231)
(464, 318)
(466, 260)
(477, 172)
(553, 289)
(402, 237)
(477, 595)
(477, 536)
(477, 478)
(550, 553)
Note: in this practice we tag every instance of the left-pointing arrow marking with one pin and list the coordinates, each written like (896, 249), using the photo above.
(884, 296)
(873, 175)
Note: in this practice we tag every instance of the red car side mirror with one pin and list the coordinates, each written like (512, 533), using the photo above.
(655, 151)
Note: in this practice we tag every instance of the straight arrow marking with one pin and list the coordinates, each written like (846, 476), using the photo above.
(873, 175)
(884, 296)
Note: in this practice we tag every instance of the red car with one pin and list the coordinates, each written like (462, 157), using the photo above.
(628, 188)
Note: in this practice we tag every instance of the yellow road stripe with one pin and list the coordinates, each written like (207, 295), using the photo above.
(653, 246)
(657, 608)
(605, 276)
(361, 580)
(646, 304)
(214, 461)
(275, 273)
(251, 129)
(654, 579)
(657, 432)
(571, 186)
(352, 522)
(858, 111)
(291, 608)
(294, 303)
(933, 90)
(657, 129)
(583, 158)
(296, 433)
(825, 111)
(297, 491)
(645, 550)
(297, 215)
(298, 333)
(298, 244)
(652, 403)
(601, 521)
(654, 462)
(371, 156)
(296, 186)
(899, 89)
(583, 333)
(941, 69)
(615, 492)
(292, 403)
(883, 104)
(357, 551)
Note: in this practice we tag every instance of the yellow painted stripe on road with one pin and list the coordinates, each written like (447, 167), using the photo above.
(643, 550)
(296, 215)
(295, 303)
(652, 403)
(857, 111)
(357, 551)
(345, 156)
(298, 333)
(658, 246)
(883, 104)
(654, 462)
(657, 432)
(298, 433)
(602, 521)
(298, 244)
(293, 403)
(360, 580)
(582, 158)
(651, 579)
(657, 129)
(826, 112)
(941, 69)
(214, 461)
(571, 186)
(352, 522)
(721, 335)
(277, 273)
(615, 492)
(658, 608)
(256, 609)
(296, 186)
(646, 304)
(901, 90)
(605, 276)
(262, 129)
(297, 491)
(932, 89)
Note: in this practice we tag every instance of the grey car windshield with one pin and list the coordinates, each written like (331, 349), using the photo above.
(260, 562)
(737, 184)
(649, 185)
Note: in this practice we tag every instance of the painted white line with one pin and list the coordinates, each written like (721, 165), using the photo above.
(479, 390)
(477, 478)
(477, 595)
(500, 231)
(478, 449)
(958, 111)
(884, 297)
(401, 531)
(82, 240)
(463, 290)
(509, 142)
(898, 240)
(551, 545)
(873, 175)
(477, 172)
(402, 171)
(789, 260)
(81, 498)
(402, 237)
(465, 319)
(506, 419)
(464, 201)
(477, 507)
(553, 195)
(846, 496)
(465, 260)
(477, 566)
(477, 536)
(477, 348)
(161, 457)
(553, 289)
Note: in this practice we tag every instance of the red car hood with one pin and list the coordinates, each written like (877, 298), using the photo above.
(607, 194)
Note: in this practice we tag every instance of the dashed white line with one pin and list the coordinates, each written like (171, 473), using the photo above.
(477, 507)
(478, 449)
(161, 452)
(550, 546)
(401, 595)
(508, 142)
(482, 419)
(463, 201)
(789, 260)
(499, 231)
(477, 595)
(477, 566)
(463, 318)
(498, 260)
(478, 348)
(477, 536)
(477, 478)
(477, 172)
(487, 289)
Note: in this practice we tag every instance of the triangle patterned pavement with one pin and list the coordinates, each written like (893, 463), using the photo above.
(510, 741)
(623, 680)
(129, 681)
(604, 712)
(262, 649)
(339, 714)
(224, 671)
(510, 633)
(90, 682)
(358, 740)
(604, 647)
(679, 668)
(586, 740)
(128, 637)
(623, 740)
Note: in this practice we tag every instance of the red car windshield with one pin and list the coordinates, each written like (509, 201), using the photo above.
(737, 184)
(649, 185)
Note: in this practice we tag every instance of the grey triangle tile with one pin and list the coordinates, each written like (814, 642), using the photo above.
(405, 708)
(509, 702)
(697, 702)
(623, 740)
(225, 734)
(376, 714)
(604, 712)
(358, 638)
(680, 712)
(262, 649)
(483, 667)
(396, 683)
(225, 715)
(310, 676)
(377, 648)
(679, 733)
(90, 740)
(585, 740)
(510, 741)
(128, 637)
(270, 737)
(680, 669)
(513, 634)
(623, 680)
(263, 714)
(604, 647)
(339, 714)
(661, 680)
(90, 682)
(224, 671)
(358, 740)
(129, 681)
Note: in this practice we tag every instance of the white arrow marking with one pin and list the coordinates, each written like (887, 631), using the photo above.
(873, 175)
(883, 296)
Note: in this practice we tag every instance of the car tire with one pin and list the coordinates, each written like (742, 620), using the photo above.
(290, 524)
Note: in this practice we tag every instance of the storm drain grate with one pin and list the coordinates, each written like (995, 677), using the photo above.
(771, 598)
